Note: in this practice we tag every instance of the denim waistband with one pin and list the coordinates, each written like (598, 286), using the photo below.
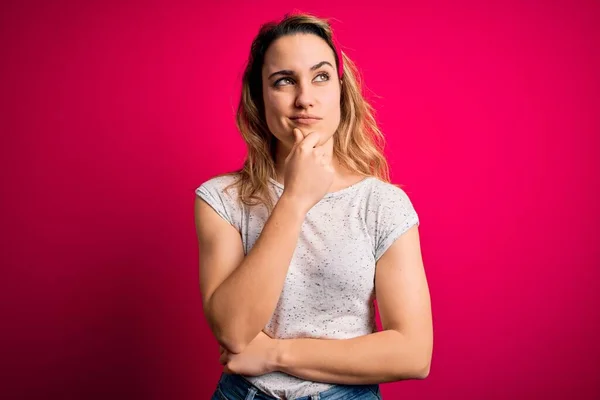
(235, 387)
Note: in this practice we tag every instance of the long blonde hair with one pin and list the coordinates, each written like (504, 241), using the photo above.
(358, 141)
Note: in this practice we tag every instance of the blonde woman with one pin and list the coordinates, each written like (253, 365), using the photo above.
(296, 245)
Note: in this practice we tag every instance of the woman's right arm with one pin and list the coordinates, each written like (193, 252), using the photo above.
(239, 294)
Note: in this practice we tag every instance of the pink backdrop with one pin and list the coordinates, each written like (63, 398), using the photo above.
(113, 114)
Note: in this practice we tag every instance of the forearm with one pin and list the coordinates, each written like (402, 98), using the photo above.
(244, 302)
(380, 357)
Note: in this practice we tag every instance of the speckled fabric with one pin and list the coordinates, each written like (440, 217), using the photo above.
(329, 288)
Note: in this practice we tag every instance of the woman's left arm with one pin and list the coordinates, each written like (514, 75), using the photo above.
(402, 350)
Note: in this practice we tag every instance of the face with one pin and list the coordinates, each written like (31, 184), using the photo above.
(300, 79)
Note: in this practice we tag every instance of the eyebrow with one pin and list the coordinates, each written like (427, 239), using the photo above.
(287, 72)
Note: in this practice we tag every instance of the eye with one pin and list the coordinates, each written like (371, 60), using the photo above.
(278, 81)
(324, 76)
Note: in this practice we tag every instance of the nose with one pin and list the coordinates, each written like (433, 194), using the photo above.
(305, 96)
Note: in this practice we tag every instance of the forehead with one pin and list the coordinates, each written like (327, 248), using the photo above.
(297, 52)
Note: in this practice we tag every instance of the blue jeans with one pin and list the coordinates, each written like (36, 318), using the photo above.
(235, 387)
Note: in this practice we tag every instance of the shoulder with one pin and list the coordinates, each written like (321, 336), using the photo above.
(392, 213)
(219, 185)
(388, 194)
(221, 194)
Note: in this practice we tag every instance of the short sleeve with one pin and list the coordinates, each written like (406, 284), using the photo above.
(396, 215)
(223, 202)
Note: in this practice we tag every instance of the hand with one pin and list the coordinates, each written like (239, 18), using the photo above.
(258, 358)
(308, 170)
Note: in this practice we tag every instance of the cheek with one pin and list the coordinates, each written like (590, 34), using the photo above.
(334, 110)
(273, 106)
(274, 109)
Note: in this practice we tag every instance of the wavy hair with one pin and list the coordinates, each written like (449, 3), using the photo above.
(358, 141)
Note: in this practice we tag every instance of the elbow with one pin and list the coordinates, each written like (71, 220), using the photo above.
(422, 359)
(228, 336)
(423, 372)
(424, 364)
(418, 369)
(232, 345)
(418, 372)
(419, 365)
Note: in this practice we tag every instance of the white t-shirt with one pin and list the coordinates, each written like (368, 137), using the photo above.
(329, 288)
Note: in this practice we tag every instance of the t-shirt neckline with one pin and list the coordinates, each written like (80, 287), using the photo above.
(339, 192)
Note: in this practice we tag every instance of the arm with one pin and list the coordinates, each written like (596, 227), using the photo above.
(240, 293)
(402, 350)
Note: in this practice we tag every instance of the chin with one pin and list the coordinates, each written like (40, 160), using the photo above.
(286, 138)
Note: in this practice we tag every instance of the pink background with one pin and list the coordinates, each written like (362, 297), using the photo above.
(113, 114)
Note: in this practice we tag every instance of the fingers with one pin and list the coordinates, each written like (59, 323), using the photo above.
(224, 358)
(311, 140)
(298, 136)
(323, 152)
(311, 144)
(224, 355)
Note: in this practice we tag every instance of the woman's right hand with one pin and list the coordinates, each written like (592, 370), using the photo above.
(308, 170)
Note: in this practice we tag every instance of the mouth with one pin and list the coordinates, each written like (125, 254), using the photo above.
(305, 120)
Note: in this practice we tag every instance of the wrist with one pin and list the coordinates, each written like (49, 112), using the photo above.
(292, 206)
(280, 354)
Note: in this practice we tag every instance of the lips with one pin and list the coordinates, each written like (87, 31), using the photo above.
(305, 120)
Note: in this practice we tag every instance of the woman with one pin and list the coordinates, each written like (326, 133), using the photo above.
(296, 245)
